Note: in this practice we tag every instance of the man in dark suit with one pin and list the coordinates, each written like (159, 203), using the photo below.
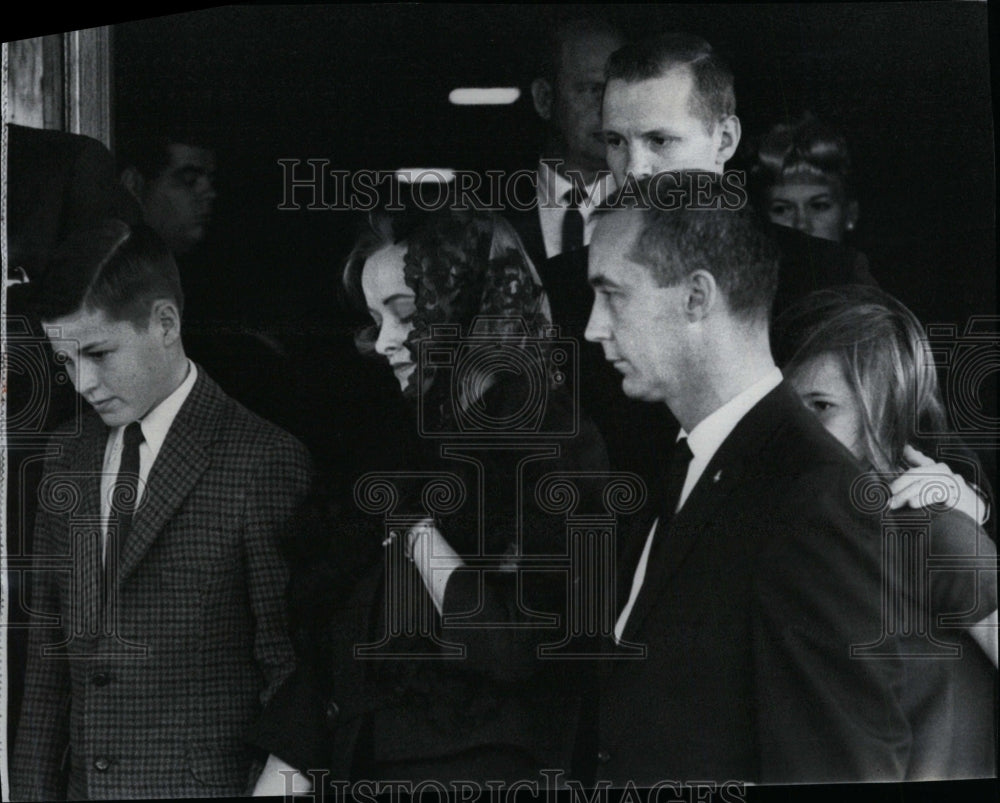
(669, 104)
(750, 579)
(567, 96)
(159, 579)
(172, 177)
(56, 183)
(240, 333)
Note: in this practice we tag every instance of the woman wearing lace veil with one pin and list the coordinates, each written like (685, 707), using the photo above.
(458, 692)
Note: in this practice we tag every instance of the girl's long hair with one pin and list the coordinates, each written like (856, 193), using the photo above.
(885, 356)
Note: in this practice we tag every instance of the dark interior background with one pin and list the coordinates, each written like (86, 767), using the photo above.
(366, 86)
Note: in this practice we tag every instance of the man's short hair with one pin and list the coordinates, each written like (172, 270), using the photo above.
(690, 222)
(712, 97)
(563, 30)
(112, 267)
(148, 149)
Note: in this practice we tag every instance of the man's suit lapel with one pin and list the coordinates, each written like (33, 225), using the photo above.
(708, 499)
(633, 532)
(673, 544)
(182, 460)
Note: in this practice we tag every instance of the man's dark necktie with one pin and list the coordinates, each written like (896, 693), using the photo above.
(671, 484)
(572, 227)
(126, 489)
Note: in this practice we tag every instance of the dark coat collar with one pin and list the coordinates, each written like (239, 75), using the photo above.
(743, 452)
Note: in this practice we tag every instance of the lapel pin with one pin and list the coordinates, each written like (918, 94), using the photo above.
(718, 476)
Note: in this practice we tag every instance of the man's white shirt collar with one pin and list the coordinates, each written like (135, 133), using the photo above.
(155, 425)
(553, 186)
(710, 433)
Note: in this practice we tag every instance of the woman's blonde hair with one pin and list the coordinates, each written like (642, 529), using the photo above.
(806, 147)
(884, 354)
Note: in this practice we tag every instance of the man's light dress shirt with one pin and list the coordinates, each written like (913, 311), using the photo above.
(553, 200)
(155, 425)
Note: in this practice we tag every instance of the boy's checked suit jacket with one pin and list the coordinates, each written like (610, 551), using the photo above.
(149, 692)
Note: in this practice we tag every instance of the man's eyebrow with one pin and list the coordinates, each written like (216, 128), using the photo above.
(398, 297)
(660, 132)
(94, 345)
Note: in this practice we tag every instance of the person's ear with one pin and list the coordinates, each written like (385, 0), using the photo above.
(729, 131)
(542, 96)
(133, 181)
(702, 295)
(167, 319)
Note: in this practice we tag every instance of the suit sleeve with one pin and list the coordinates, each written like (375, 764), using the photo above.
(294, 727)
(509, 599)
(826, 712)
(278, 487)
(43, 733)
(954, 592)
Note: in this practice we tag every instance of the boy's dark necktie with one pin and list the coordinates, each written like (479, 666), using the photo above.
(126, 488)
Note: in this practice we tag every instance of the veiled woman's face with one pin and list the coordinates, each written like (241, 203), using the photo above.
(824, 389)
(392, 304)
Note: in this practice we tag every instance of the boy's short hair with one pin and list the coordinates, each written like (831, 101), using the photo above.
(112, 267)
